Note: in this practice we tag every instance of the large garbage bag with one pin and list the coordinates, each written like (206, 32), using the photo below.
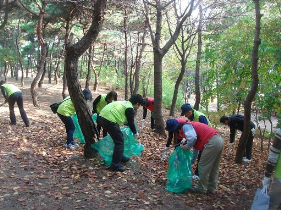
(131, 146)
(78, 132)
(179, 171)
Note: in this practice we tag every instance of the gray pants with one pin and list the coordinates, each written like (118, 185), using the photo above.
(275, 194)
(208, 166)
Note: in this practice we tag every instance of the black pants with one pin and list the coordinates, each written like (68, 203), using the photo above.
(17, 97)
(117, 137)
(248, 150)
(152, 121)
(99, 129)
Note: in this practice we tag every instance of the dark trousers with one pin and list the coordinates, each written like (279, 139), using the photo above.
(117, 137)
(99, 129)
(248, 150)
(17, 97)
(152, 121)
(69, 126)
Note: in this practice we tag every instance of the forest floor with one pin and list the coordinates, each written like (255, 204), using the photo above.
(38, 172)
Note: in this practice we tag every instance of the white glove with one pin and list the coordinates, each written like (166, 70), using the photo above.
(265, 183)
(165, 153)
(230, 148)
(252, 131)
(136, 135)
(143, 123)
(183, 141)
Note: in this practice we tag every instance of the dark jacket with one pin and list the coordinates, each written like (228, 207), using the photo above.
(236, 122)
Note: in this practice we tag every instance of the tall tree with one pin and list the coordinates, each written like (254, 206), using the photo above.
(254, 86)
(73, 52)
(159, 52)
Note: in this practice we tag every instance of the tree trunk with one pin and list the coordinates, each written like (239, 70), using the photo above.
(88, 77)
(125, 55)
(5, 71)
(138, 61)
(50, 63)
(197, 68)
(44, 68)
(179, 79)
(73, 52)
(98, 73)
(254, 86)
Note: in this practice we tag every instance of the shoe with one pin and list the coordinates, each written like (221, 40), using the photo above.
(75, 144)
(117, 168)
(125, 159)
(70, 146)
(195, 177)
(246, 160)
(196, 190)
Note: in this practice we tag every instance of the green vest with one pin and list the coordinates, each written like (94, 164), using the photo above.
(10, 89)
(102, 103)
(66, 108)
(115, 111)
(278, 168)
(196, 115)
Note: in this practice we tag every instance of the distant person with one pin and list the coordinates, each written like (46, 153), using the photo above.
(203, 138)
(194, 115)
(65, 112)
(236, 122)
(111, 117)
(148, 105)
(100, 102)
(13, 94)
(274, 164)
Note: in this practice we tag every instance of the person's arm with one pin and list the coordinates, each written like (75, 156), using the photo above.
(3, 90)
(202, 119)
(144, 113)
(95, 102)
(170, 138)
(190, 136)
(129, 113)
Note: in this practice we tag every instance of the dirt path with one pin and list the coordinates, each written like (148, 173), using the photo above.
(37, 172)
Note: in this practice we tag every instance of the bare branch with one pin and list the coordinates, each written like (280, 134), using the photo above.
(32, 13)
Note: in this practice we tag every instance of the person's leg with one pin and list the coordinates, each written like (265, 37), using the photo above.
(207, 161)
(152, 121)
(69, 126)
(198, 159)
(117, 137)
(249, 146)
(11, 101)
(20, 103)
(275, 194)
(99, 128)
(214, 174)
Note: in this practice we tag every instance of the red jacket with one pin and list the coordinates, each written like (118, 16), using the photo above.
(151, 104)
(204, 134)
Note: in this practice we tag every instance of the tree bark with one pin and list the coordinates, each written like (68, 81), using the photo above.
(73, 52)
(44, 68)
(254, 86)
(6, 11)
(197, 68)
(50, 63)
(125, 55)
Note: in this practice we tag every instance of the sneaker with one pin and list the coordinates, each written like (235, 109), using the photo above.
(246, 160)
(75, 144)
(70, 146)
(196, 190)
(117, 168)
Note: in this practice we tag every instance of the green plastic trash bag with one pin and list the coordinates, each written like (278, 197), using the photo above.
(131, 146)
(179, 172)
(78, 132)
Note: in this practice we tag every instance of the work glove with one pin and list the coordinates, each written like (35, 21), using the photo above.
(265, 184)
(165, 153)
(252, 131)
(142, 123)
(136, 136)
(230, 148)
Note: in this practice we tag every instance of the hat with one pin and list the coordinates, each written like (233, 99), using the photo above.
(185, 108)
(171, 125)
(87, 94)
